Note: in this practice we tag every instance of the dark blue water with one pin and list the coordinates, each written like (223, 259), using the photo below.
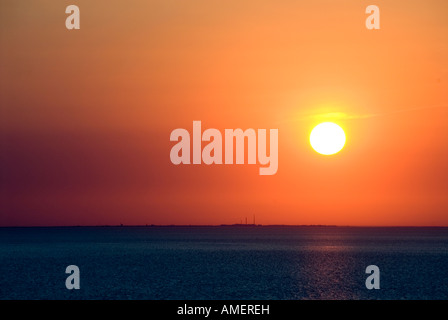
(223, 262)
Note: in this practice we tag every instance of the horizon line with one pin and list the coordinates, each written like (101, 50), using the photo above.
(225, 225)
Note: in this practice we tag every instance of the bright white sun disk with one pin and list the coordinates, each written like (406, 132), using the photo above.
(327, 138)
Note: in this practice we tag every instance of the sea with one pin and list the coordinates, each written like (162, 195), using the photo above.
(224, 263)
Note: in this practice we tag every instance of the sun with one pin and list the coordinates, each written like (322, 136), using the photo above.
(327, 138)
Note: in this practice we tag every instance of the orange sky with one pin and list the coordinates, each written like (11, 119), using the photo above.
(86, 115)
